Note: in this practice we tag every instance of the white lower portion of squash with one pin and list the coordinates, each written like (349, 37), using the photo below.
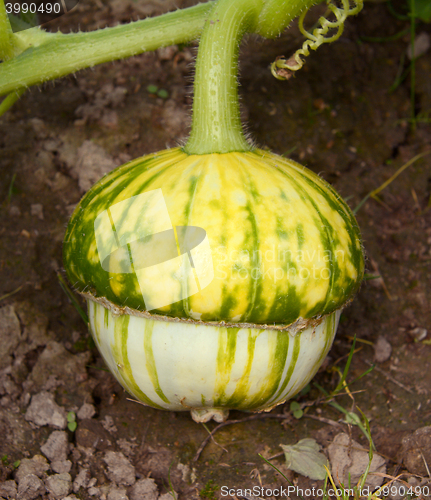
(208, 369)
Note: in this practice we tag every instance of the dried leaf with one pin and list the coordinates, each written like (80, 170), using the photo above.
(305, 458)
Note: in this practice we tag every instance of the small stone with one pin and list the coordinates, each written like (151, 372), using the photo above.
(10, 333)
(93, 491)
(419, 333)
(9, 387)
(70, 497)
(421, 45)
(43, 410)
(59, 485)
(8, 490)
(37, 210)
(185, 471)
(108, 424)
(144, 489)
(126, 447)
(37, 466)
(60, 363)
(14, 211)
(349, 460)
(81, 480)
(382, 350)
(30, 487)
(52, 383)
(120, 470)
(416, 450)
(118, 494)
(34, 328)
(91, 164)
(92, 482)
(56, 447)
(61, 466)
(87, 410)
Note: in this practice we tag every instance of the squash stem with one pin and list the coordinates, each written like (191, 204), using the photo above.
(216, 123)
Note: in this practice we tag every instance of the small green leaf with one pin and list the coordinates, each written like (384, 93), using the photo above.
(72, 426)
(16, 464)
(422, 9)
(152, 89)
(295, 408)
(305, 458)
(353, 418)
(371, 276)
(163, 93)
(71, 417)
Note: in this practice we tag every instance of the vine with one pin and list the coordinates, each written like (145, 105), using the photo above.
(283, 69)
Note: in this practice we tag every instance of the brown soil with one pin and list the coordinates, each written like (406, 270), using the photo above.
(337, 117)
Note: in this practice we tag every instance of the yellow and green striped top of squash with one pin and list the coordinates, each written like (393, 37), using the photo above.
(239, 237)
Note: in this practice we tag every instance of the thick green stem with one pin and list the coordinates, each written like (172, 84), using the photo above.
(277, 14)
(51, 56)
(216, 124)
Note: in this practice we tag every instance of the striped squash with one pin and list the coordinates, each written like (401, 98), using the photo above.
(208, 369)
(239, 261)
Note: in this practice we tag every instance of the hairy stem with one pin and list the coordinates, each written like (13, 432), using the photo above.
(216, 124)
(277, 14)
(52, 55)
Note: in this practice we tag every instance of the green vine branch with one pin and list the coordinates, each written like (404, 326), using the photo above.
(33, 56)
(283, 69)
(275, 15)
(47, 56)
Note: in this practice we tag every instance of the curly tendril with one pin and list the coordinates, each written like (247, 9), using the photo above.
(283, 69)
